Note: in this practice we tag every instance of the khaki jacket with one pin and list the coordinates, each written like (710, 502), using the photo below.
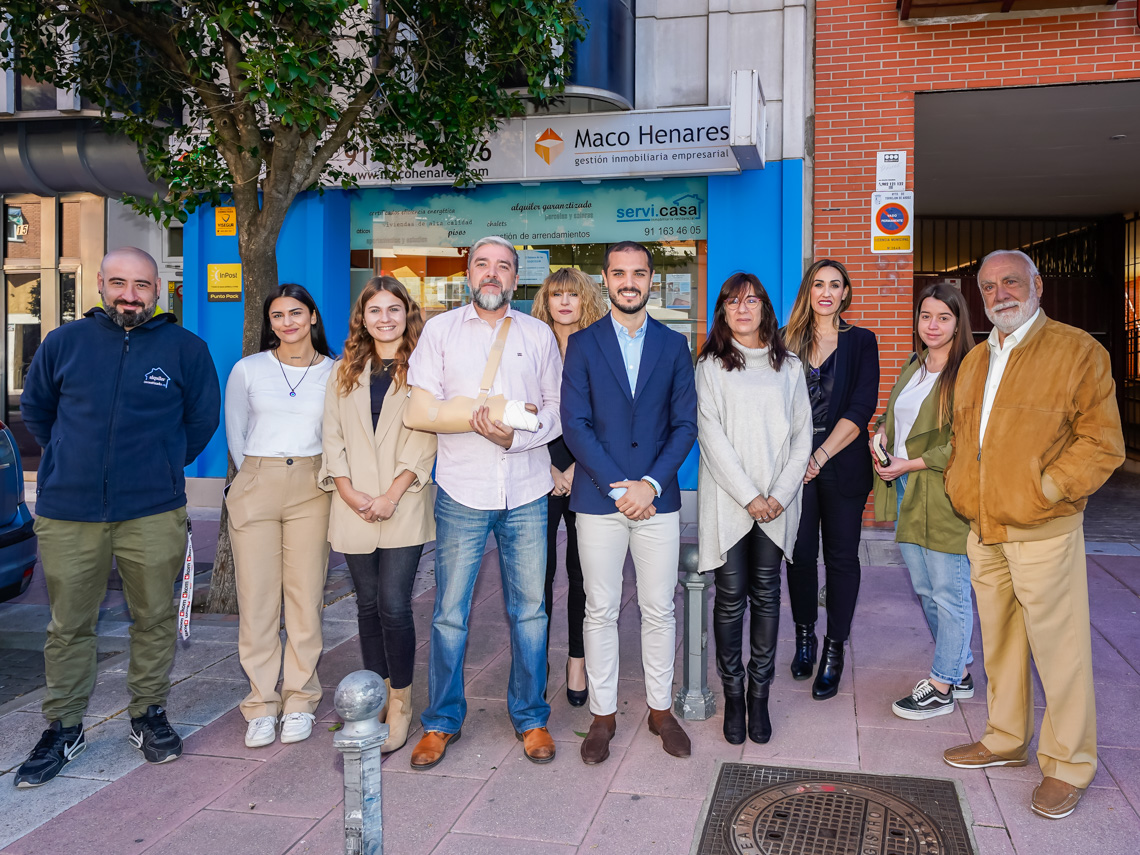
(1052, 439)
(927, 518)
(372, 460)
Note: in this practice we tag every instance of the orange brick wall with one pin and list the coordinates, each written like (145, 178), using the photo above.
(868, 66)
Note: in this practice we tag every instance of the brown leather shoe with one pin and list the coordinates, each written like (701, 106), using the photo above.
(976, 756)
(432, 747)
(596, 746)
(673, 737)
(538, 744)
(1054, 798)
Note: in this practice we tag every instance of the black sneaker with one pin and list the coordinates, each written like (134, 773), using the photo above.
(57, 747)
(924, 702)
(965, 688)
(154, 737)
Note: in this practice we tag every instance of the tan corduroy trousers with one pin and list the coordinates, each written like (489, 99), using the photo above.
(279, 525)
(1033, 599)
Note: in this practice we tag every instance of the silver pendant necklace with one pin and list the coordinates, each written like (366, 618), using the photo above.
(284, 376)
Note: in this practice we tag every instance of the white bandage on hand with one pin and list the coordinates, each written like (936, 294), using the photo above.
(516, 415)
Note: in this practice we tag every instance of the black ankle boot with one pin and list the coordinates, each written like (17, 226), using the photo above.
(759, 724)
(804, 660)
(830, 670)
(734, 718)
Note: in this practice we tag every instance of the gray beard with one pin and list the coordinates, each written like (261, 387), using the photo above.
(132, 319)
(1010, 325)
(489, 303)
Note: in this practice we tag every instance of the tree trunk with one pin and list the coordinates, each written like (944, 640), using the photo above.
(258, 251)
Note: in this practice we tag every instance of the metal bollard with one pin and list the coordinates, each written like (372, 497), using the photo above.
(358, 699)
(695, 701)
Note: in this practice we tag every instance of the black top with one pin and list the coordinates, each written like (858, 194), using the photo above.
(560, 456)
(821, 386)
(381, 380)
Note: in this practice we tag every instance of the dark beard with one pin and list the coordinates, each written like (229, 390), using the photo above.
(635, 308)
(131, 319)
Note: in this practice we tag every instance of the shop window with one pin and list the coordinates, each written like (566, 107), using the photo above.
(23, 231)
(23, 330)
(67, 301)
(173, 247)
(31, 94)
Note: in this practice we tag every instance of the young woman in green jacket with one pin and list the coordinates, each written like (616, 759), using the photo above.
(914, 434)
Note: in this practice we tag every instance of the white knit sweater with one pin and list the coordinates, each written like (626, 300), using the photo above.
(755, 432)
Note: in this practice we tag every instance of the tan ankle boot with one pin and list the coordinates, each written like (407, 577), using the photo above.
(382, 716)
(399, 719)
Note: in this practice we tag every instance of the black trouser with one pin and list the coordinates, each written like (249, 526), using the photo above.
(557, 508)
(383, 580)
(751, 574)
(841, 519)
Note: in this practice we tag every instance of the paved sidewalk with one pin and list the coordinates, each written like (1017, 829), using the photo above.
(487, 798)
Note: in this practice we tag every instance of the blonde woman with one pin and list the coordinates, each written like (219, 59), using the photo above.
(380, 470)
(568, 301)
(841, 363)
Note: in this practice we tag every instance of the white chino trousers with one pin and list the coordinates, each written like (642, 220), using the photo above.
(603, 541)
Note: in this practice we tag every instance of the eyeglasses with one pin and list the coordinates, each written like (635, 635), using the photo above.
(735, 303)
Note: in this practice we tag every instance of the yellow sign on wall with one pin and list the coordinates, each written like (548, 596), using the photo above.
(223, 283)
(225, 222)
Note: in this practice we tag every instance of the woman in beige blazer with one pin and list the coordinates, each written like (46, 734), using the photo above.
(382, 513)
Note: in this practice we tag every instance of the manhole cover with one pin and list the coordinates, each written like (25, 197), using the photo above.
(764, 810)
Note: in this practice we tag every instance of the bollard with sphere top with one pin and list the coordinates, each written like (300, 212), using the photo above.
(694, 701)
(358, 700)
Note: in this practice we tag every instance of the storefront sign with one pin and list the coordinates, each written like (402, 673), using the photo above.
(554, 213)
(225, 222)
(223, 283)
(594, 145)
(534, 266)
(892, 222)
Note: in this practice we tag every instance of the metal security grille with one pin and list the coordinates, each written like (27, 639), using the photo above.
(765, 810)
(1130, 382)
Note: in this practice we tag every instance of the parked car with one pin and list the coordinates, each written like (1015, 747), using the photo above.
(17, 538)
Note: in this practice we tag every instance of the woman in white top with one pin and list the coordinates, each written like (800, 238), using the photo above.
(279, 516)
(914, 433)
(755, 431)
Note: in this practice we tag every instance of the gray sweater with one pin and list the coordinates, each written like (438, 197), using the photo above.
(755, 432)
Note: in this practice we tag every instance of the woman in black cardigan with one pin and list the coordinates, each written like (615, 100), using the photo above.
(842, 366)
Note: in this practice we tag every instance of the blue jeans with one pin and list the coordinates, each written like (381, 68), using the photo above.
(461, 537)
(942, 582)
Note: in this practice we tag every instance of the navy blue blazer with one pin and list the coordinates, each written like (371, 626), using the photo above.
(855, 397)
(618, 436)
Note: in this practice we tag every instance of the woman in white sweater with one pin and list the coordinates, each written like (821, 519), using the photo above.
(279, 516)
(755, 429)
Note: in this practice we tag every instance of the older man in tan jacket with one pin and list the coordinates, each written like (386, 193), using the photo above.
(1036, 431)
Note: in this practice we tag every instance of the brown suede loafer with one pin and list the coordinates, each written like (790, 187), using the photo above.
(976, 756)
(673, 737)
(538, 744)
(1054, 798)
(596, 746)
(432, 747)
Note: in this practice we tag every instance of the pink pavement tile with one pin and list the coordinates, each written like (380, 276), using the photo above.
(304, 779)
(1117, 714)
(486, 739)
(225, 737)
(155, 799)
(1124, 767)
(420, 809)
(1124, 636)
(326, 837)
(643, 825)
(894, 752)
(907, 650)
(339, 662)
(233, 834)
(647, 770)
(566, 722)
(474, 844)
(1109, 666)
(1103, 822)
(517, 801)
(807, 730)
(992, 841)
(876, 690)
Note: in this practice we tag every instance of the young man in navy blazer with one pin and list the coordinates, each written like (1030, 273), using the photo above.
(629, 416)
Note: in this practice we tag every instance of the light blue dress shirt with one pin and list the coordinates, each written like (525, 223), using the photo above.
(631, 347)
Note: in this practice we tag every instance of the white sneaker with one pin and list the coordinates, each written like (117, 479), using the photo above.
(261, 731)
(296, 726)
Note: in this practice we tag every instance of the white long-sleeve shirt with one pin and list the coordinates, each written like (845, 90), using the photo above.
(263, 420)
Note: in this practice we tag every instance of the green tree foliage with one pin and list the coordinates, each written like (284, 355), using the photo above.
(248, 100)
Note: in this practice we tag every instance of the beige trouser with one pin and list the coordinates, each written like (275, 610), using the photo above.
(1033, 598)
(603, 541)
(279, 526)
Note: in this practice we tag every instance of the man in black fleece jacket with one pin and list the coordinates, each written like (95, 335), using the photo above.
(121, 401)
